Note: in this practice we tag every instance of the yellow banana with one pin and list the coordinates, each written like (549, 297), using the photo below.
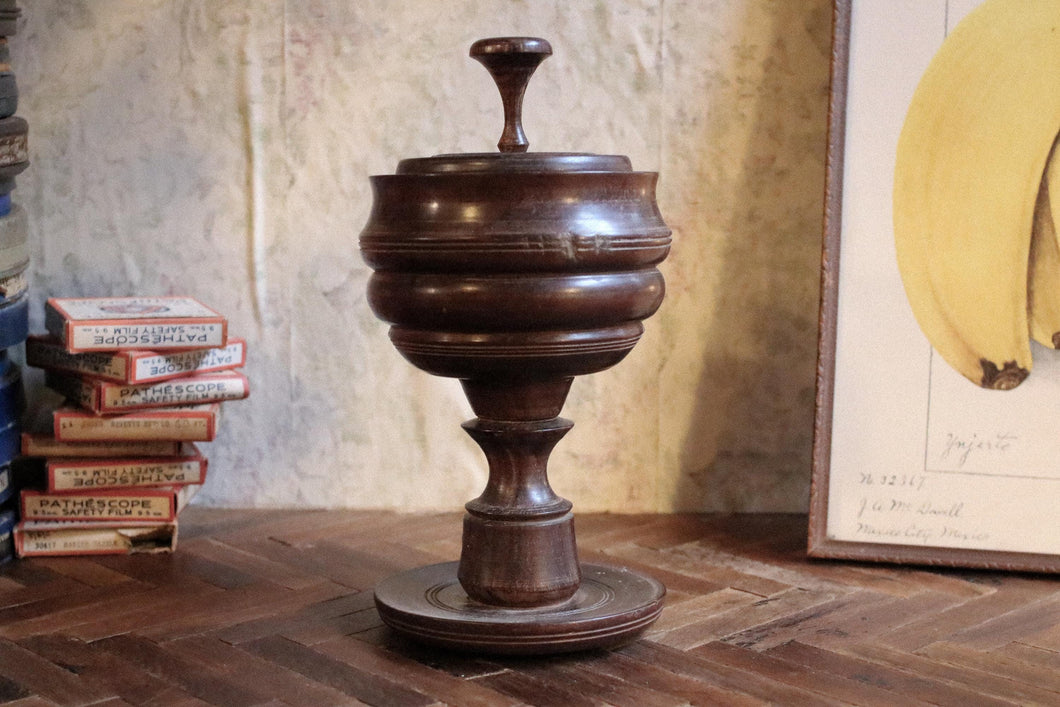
(1043, 287)
(970, 162)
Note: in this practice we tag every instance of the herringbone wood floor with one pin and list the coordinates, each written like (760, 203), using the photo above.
(275, 608)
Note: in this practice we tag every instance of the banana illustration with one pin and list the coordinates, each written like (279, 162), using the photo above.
(970, 163)
(1043, 287)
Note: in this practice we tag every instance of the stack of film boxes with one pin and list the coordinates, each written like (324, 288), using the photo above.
(143, 379)
(14, 259)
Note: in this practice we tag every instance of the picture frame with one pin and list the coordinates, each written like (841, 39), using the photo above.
(911, 463)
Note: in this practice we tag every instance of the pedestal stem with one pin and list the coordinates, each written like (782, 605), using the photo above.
(518, 542)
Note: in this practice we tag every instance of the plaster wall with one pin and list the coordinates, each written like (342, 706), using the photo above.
(222, 150)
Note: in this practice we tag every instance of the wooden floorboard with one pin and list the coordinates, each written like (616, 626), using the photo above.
(275, 608)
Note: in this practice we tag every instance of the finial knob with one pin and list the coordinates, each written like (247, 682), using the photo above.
(511, 61)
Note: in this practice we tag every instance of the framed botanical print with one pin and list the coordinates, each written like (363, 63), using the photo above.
(938, 405)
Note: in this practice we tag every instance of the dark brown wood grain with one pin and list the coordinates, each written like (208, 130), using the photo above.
(516, 272)
(232, 619)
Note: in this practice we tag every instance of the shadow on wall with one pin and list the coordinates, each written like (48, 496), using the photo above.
(749, 446)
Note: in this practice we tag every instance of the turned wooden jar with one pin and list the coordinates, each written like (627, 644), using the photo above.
(515, 272)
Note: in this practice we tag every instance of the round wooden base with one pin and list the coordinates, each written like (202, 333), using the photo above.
(611, 607)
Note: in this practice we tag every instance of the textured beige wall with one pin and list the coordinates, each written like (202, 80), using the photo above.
(222, 148)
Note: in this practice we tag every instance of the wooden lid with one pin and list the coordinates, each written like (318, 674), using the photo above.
(494, 162)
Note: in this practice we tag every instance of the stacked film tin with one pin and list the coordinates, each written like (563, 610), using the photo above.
(14, 260)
